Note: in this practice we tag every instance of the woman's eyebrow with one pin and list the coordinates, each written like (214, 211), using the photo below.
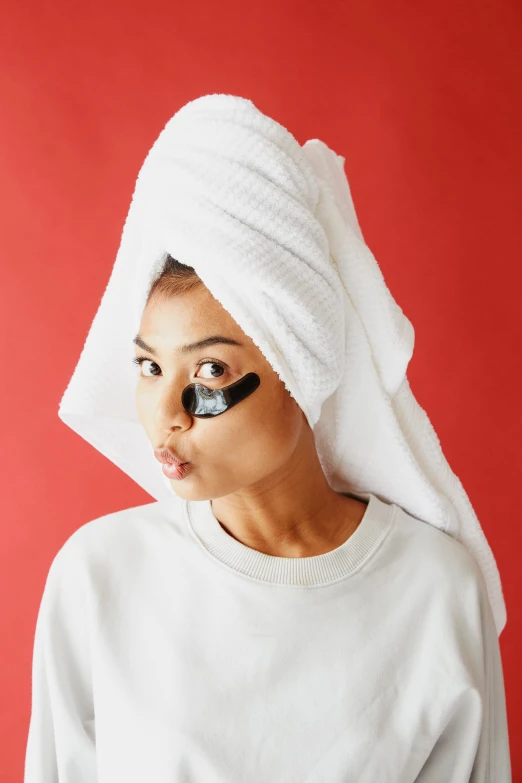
(190, 347)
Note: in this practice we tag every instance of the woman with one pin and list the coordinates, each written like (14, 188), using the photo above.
(310, 596)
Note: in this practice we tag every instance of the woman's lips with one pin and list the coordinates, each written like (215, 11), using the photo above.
(174, 471)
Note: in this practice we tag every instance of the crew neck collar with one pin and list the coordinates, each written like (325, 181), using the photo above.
(312, 571)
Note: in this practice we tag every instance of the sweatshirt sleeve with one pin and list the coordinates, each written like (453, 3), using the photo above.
(61, 744)
(474, 745)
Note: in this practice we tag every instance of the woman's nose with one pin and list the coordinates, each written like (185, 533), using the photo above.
(169, 411)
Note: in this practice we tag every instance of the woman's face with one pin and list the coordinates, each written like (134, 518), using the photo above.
(237, 448)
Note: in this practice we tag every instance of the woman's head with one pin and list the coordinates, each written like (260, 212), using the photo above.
(242, 447)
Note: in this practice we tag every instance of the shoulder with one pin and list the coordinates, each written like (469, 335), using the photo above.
(441, 591)
(122, 535)
(439, 548)
(104, 558)
(435, 558)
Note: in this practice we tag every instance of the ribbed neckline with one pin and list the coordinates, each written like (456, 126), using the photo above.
(292, 571)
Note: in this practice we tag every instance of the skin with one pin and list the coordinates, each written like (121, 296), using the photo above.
(257, 462)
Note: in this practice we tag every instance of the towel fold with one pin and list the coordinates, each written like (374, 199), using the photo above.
(270, 228)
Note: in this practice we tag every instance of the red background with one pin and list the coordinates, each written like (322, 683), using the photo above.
(424, 102)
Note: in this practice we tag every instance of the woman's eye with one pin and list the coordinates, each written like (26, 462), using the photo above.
(217, 369)
(142, 361)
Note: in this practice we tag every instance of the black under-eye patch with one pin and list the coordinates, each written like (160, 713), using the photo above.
(204, 403)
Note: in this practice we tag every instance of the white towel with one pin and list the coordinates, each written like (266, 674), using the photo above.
(270, 228)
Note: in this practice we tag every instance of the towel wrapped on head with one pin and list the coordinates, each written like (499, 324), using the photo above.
(270, 228)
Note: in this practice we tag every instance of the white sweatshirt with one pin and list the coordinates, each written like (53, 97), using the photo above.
(166, 651)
